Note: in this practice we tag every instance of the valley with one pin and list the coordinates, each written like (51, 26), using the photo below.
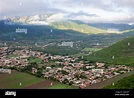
(66, 53)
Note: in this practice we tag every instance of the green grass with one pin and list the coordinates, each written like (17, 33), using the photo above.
(12, 55)
(37, 60)
(83, 28)
(125, 83)
(91, 49)
(122, 52)
(12, 81)
(61, 86)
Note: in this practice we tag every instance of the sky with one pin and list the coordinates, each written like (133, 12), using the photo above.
(91, 11)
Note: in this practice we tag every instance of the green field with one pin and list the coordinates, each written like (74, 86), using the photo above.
(13, 80)
(61, 86)
(12, 55)
(37, 60)
(91, 49)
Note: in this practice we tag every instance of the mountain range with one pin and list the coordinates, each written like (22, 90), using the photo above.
(75, 25)
(43, 27)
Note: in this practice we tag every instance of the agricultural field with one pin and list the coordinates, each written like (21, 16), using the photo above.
(61, 86)
(13, 80)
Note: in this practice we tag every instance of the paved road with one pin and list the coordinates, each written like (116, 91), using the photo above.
(109, 81)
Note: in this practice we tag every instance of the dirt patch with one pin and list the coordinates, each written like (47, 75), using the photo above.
(4, 82)
(42, 85)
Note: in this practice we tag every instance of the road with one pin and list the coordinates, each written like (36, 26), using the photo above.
(102, 84)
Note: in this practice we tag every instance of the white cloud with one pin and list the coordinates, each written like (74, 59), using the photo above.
(120, 11)
(56, 17)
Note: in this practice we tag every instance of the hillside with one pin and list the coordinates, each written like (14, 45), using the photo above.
(106, 26)
(69, 25)
(121, 52)
(35, 32)
(125, 83)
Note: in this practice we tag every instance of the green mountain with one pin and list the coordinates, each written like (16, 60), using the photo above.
(69, 25)
(125, 83)
(36, 33)
(121, 52)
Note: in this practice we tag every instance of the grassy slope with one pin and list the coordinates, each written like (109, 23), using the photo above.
(36, 33)
(125, 83)
(91, 49)
(61, 86)
(68, 25)
(12, 81)
(122, 52)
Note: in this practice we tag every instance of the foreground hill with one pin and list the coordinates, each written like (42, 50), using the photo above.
(121, 52)
(125, 83)
(69, 25)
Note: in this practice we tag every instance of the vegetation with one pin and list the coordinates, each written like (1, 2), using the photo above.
(13, 80)
(91, 49)
(56, 50)
(106, 26)
(121, 52)
(34, 60)
(61, 86)
(125, 83)
(12, 55)
(83, 28)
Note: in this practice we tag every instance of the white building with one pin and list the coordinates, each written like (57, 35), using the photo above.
(67, 44)
(97, 71)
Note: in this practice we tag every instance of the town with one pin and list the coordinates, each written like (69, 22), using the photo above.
(65, 69)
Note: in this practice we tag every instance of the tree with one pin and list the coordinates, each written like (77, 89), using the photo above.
(39, 73)
(53, 66)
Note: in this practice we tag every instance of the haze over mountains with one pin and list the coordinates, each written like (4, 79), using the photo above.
(44, 26)
(76, 25)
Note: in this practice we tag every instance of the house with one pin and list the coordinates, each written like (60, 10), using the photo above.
(34, 70)
(97, 71)
(48, 68)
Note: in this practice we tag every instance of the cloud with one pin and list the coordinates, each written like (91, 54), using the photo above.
(25, 7)
(90, 10)
(56, 17)
(82, 13)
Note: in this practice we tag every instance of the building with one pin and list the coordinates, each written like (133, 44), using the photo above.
(70, 44)
(97, 71)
